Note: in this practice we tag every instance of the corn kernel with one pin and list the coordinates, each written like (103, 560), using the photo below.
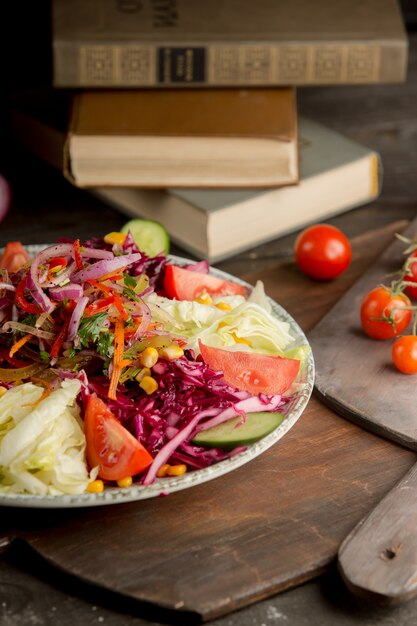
(205, 298)
(148, 384)
(149, 357)
(170, 353)
(145, 371)
(96, 486)
(115, 238)
(163, 470)
(224, 306)
(177, 470)
(3, 390)
(240, 339)
(125, 482)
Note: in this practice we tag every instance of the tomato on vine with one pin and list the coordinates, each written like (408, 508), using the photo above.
(404, 354)
(410, 275)
(322, 251)
(385, 313)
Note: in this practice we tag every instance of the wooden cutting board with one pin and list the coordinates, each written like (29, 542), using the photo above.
(354, 374)
(270, 525)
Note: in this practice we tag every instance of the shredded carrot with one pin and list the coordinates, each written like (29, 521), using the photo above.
(104, 288)
(114, 275)
(130, 330)
(117, 300)
(119, 306)
(125, 363)
(47, 391)
(16, 346)
(119, 347)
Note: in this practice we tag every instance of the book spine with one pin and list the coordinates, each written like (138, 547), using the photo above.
(227, 65)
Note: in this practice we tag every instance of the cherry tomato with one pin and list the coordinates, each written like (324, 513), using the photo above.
(322, 252)
(404, 354)
(411, 277)
(109, 445)
(184, 284)
(257, 373)
(383, 315)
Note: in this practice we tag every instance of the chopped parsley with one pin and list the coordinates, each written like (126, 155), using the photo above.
(30, 319)
(129, 293)
(90, 327)
(129, 281)
(45, 356)
(105, 344)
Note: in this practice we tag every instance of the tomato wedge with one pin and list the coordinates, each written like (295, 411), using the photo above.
(183, 284)
(14, 256)
(249, 371)
(109, 445)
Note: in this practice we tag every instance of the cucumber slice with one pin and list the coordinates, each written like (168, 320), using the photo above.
(150, 237)
(233, 433)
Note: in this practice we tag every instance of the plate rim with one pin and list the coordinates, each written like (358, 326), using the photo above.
(167, 486)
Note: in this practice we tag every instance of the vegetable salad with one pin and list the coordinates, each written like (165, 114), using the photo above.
(115, 365)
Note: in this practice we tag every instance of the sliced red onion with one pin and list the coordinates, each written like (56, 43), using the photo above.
(61, 249)
(40, 297)
(37, 292)
(5, 197)
(96, 253)
(71, 291)
(249, 405)
(60, 277)
(105, 267)
(7, 286)
(41, 320)
(76, 318)
(24, 328)
(169, 448)
(201, 267)
(67, 249)
(146, 320)
(15, 313)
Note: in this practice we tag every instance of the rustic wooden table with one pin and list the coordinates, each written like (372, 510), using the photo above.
(45, 206)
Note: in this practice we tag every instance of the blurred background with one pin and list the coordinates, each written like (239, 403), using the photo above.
(374, 116)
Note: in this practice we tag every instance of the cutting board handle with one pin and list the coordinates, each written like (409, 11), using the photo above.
(378, 559)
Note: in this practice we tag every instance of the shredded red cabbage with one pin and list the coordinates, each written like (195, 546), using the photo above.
(190, 397)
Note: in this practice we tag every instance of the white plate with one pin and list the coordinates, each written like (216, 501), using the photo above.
(165, 486)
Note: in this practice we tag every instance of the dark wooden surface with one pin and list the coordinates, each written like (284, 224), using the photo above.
(378, 560)
(247, 535)
(383, 117)
(337, 340)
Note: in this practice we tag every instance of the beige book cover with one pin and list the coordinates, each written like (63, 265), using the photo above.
(186, 43)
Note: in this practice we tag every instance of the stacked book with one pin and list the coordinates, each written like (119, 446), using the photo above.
(180, 111)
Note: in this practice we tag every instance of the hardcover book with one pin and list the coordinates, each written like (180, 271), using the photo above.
(189, 43)
(182, 138)
(337, 174)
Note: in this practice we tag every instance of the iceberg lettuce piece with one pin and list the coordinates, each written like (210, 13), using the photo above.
(43, 451)
(248, 325)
